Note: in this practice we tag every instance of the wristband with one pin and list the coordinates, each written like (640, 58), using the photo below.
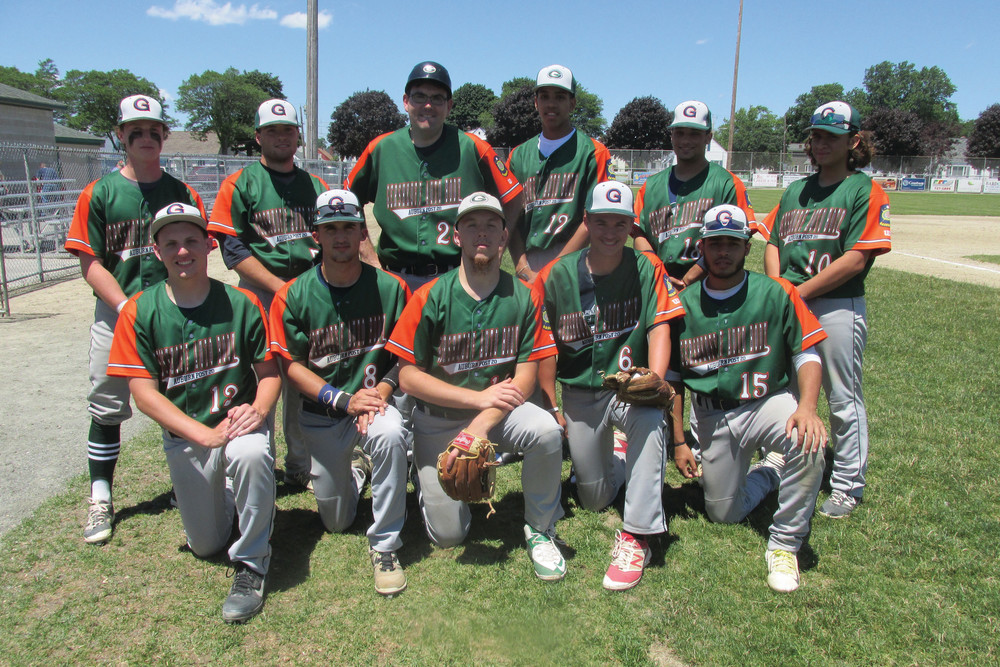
(121, 305)
(334, 398)
(554, 410)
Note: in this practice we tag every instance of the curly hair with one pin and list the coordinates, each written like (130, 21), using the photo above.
(858, 157)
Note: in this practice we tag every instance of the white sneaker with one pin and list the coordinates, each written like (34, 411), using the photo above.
(782, 570)
(545, 556)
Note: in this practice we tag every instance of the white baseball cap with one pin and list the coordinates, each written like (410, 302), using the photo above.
(836, 118)
(338, 205)
(611, 197)
(480, 201)
(275, 112)
(556, 76)
(693, 114)
(139, 107)
(726, 220)
(176, 212)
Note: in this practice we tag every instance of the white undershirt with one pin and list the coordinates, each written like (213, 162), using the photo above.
(548, 146)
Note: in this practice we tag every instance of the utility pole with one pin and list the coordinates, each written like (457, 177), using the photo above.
(736, 73)
(312, 77)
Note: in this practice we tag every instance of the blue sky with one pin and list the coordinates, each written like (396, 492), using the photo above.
(672, 49)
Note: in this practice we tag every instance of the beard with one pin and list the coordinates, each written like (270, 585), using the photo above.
(482, 264)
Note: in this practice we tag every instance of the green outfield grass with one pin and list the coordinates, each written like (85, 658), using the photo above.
(903, 203)
(909, 579)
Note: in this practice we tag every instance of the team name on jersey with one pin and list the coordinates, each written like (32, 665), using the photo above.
(805, 224)
(704, 354)
(559, 189)
(280, 225)
(482, 349)
(127, 239)
(420, 197)
(608, 322)
(665, 224)
(346, 340)
(187, 362)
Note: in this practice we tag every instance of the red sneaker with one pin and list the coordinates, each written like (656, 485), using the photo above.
(621, 445)
(630, 555)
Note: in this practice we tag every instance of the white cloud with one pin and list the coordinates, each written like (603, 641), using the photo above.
(298, 20)
(212, 13)
(165, 95)
(701, 41)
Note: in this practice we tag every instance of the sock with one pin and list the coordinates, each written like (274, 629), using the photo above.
(103, 445)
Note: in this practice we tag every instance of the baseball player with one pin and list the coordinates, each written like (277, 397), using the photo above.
(671, 204)
(110, 235)
(196, 355)
(418, 175)
(742, 339)
(263, 219)
(609, 309)
(469, 343)
(329, 327)
(557, 170)
(824, 237)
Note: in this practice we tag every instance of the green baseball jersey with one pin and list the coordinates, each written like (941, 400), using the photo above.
(741, 348)
(417, 191)
(600, 323)
(470, 343)
(272, 213)
(556, 187)
(670, 219)
(339, 333)
(814, 225)
(202, 358)
(111, 222)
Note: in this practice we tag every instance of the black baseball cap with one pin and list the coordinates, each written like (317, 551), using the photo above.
(429, 71)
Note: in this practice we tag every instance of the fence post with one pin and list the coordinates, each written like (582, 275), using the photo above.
(4, 296)
(33, 224)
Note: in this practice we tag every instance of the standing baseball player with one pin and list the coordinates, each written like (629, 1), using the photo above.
(824, 237)
(742, 338)
(469, 344)
(330, 326)
(671, 204)
(110, 235)
(609, 309)
(197, 358)
(557, 170)
(263, 217)
(418, 175)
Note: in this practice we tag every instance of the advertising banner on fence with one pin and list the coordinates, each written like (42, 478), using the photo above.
(913, 184)
(970, 185)
(765, 180)
(887, 183)
(788, 179)
(991, 186)
(943, 184)
(639, 177)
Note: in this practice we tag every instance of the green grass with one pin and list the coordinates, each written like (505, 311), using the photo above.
(903, 203)
(910, 579)
(989, 259)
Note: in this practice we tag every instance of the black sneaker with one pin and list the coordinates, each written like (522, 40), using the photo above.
(246, 597)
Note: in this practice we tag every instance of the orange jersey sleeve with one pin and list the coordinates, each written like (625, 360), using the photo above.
(603, 157)
(876, 237)
(221, 221)
(124, 360)
(668, 300)
(742, 200)
(765, 227)
(640, 200)
(504, 180)
(403, 334)
(264, 320)
(812, 332)
(78, 237)
(544, 345)
(279, 340)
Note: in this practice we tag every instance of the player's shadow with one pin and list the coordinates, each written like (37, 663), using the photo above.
(156, 505)
(296, 533)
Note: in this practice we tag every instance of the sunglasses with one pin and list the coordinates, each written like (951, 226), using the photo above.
(337, 209)
(726, 222)
(833, 120)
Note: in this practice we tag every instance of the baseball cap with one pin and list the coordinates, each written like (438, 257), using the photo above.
(139, 107)
(480, 201)
(429, 71)
(693, 114)
(338, 205)
(176, 212)
(611, 197)
(726, 220)
(275, 112)
(836, 118)
(556, 76)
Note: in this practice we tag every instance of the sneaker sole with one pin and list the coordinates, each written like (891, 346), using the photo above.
(99, 538)
(782, 589)
(389, 592)
(550, 577)
(833, 516)
(233, 619)
(610, 585)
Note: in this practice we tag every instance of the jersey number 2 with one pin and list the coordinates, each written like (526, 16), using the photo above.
(444, 231)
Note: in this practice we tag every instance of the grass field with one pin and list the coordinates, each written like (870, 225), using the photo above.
(910, 579)
(903, 203)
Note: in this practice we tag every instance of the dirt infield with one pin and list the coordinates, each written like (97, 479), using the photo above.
(43, 418)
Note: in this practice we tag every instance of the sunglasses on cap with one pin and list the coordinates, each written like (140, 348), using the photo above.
(833, 120)
(339, 208)
(725, 222)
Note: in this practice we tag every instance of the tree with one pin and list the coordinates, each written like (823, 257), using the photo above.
(985, 138)
(360, 118)
(641, 124)
(226, 104)
(894, 131)
(587, 115)
(92, 98)
(43, 82)
(797, 117)
(926, 92)
(514, 117)
(756, 130)
(473, 102)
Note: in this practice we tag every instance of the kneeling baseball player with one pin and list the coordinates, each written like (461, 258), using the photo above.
(330, 325)
(609, 309)
(197, 356)
(469, 344)
(741, 340)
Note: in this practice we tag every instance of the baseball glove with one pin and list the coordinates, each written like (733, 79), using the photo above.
(472, 475)
(640, 386)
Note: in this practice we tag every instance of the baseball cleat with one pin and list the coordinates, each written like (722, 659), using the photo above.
(100, 520)
(389, 576)
(544, 553)
(302, 479)
(246, 597)
(620, 449)
(628, 558)
(838, 506)
(782, 570)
